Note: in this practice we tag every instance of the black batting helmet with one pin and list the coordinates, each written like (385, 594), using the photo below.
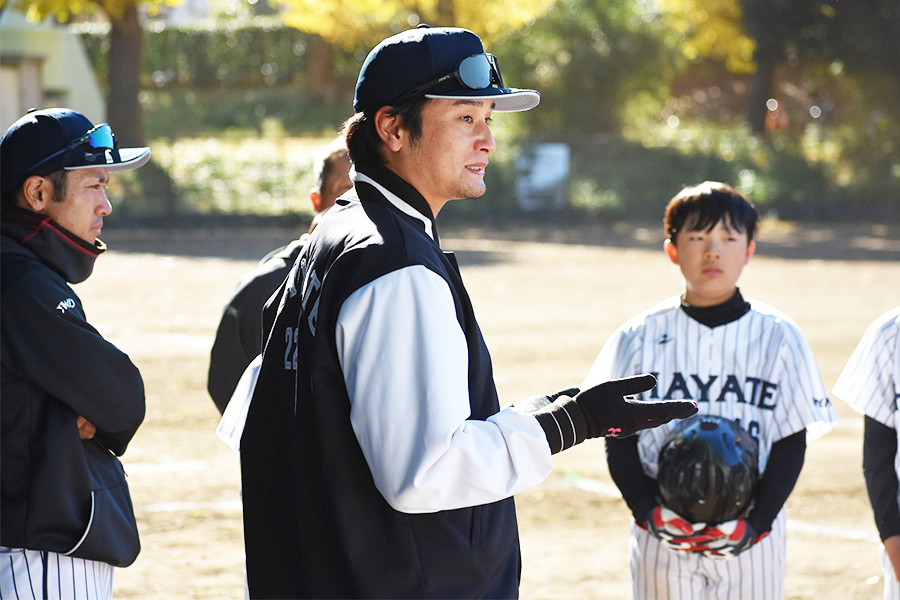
(708, 469)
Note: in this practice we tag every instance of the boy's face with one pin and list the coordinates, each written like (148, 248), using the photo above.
(711, 262)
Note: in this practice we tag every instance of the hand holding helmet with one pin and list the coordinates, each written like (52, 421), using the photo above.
(673, 530)
(726, 540)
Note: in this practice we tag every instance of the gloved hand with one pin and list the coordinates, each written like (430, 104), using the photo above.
(535, 403)
(670, 528)
(726, 540)
(602, 410)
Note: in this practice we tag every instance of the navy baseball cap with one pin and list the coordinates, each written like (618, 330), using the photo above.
(439, 62)
(44, 141)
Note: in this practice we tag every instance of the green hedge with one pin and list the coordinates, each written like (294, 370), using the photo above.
(201, 80)
(251, 82)
(260, 53)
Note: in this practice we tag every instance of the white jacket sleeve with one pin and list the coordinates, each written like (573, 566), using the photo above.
(405, 364)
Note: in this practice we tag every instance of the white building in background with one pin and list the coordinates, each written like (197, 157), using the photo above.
(189, 12)
(43, 65)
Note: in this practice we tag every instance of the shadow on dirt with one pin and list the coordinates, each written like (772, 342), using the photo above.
(791, 241)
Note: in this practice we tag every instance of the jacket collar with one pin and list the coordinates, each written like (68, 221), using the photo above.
(721, 314)
(403, 196)
(66, 253)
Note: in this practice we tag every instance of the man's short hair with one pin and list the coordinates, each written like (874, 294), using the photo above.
(700, 207)
(59, 179)
(326, 159)
(9, 198)
(363, 142)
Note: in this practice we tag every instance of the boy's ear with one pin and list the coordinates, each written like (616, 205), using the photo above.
(672, 251)
(751, 248)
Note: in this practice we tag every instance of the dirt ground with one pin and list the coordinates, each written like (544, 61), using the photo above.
(546, 299)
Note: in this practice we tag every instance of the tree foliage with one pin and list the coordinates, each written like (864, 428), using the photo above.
(588, 59)
(862, 33)
(123, 107)
(711, 29)
(65, 10)
(354, 21)
(126, 42)
(759, 36)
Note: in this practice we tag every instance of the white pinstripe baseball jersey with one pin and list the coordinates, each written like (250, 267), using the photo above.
(870, 381)
(758, 370)
(35, 574)
(870, 384)
(756, 574)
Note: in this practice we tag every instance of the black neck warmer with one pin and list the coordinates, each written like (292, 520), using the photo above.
(66, 253)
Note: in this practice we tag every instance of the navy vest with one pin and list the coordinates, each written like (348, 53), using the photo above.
(315, 525)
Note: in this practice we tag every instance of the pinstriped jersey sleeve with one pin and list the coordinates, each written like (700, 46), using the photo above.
(758, 370)
(800, 382)
(870, 381)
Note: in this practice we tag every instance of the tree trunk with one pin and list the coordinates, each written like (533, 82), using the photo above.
(760, 91)
(123, 109)
(446, 14)
(321, 86)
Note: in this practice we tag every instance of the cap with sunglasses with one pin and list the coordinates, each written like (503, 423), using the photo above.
(44, 141)
(439, 62)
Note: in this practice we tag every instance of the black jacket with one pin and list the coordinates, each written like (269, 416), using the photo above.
(239, 335)
(54, 364)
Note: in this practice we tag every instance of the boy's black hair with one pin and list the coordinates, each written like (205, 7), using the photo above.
(700, 207)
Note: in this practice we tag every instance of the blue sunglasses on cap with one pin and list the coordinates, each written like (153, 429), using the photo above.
(476, 72)
(99, 138)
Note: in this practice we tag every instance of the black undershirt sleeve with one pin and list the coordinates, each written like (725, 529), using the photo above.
(782, 470)
(879, 450)
(638, 490)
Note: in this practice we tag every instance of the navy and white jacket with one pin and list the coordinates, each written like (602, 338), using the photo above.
(376, 461)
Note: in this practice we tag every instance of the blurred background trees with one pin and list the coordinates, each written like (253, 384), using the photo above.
(796, 102)
(351, 23)
(125, 52)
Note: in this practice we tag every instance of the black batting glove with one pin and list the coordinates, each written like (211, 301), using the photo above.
(605, 410)
(536, 403)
